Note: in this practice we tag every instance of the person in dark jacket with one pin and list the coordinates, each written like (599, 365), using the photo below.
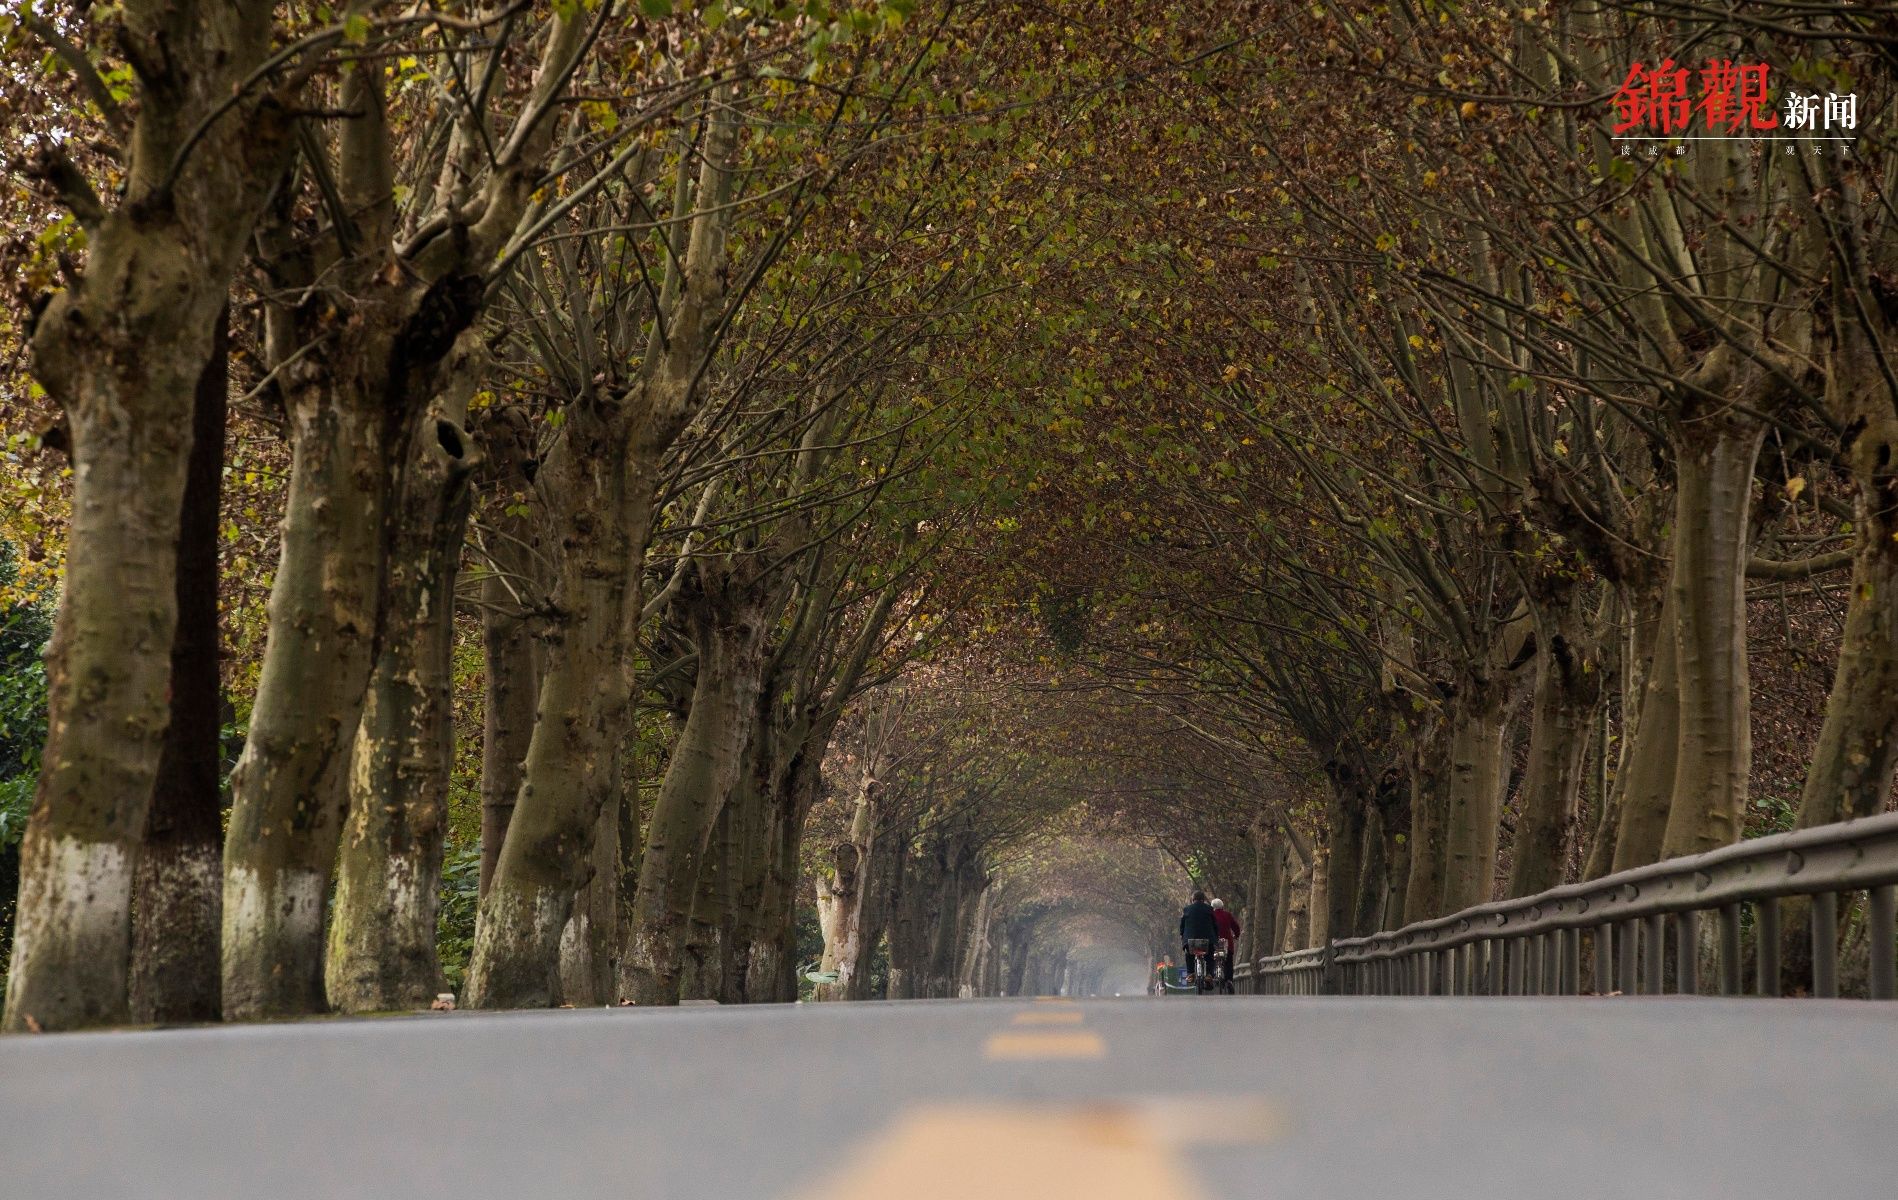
(1228, 933)
(1198, 923)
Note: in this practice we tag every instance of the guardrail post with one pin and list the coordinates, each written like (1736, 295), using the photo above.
(1687, 952)
(1328, 979)
(1883, 984)
(1656, 937)
(1766, 935)
(1604, 958)
(1825, 945)
(1627, 942)
(1730, 984)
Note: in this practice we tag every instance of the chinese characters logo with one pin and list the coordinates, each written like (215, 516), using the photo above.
(1722, 99)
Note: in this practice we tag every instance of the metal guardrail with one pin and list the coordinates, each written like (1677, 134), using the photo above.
(1533, 946)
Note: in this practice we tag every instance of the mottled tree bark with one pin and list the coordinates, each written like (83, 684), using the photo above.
(1429, 818)
(729, 627)
(1645, 784)
(1562, 710)
(1346, 813)
(510, 681)
(1266, 925)
(1713, 502)
(897, 985)
(356, 411)
(1317, 905)
(289, 789)
(1393, 802)
(382, 952)
(1262, 895)
(943, 932)
(121, 350)
(1853, 760)
(176, 890)
(1367, 895)
(1603, 813)
(1294, 918)
(876, 923)
(1478, 729)
(544, 860)
(843, 898)
(753, 841)
(1015, 964)
(774, 949)
(972, 939)
(702, 952)
(589, 945)
(615, 447)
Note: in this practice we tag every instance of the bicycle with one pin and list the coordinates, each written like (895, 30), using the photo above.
(1201, 971)
(1205, 967)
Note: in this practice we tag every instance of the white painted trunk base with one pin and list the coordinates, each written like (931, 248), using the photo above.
(72, 937)
(266, 920)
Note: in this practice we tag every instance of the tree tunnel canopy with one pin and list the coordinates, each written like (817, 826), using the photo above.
(691, 491)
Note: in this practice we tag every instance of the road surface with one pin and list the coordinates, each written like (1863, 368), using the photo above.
(1314, 1099)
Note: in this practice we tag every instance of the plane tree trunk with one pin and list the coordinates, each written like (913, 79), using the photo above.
(703, 951)
(1478, 727)
(615, 446)
(727, 612)
(1346, 816)
(176, 892)
(121, 350)
(382, 940)
(509, 589)
(1711, 544)
(1562, 711)
(1853, 760)
(843, 899)
(356, 413)
(1429, 818)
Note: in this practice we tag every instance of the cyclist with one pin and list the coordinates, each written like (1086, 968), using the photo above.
(1197, 924)
(1228, 933)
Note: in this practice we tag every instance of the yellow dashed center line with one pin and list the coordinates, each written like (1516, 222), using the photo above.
(1019, 1045)
(1014, 1047)
(1131, 1150)
(1048, 1016)
(1005, 1153)
(1127, 1150)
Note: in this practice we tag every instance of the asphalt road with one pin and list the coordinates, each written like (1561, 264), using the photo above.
(1318, 1099)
